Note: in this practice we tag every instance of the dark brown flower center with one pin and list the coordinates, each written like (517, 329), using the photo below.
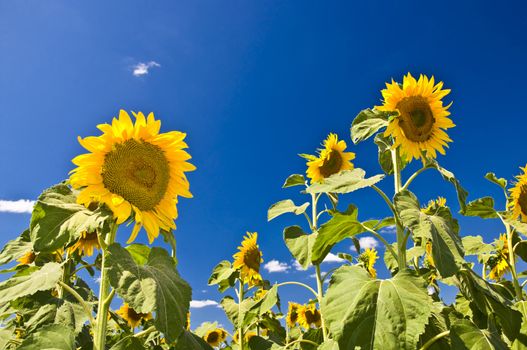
(252, 258)
(213, 337)
(332, 164)
(416, 118)
(522, 199)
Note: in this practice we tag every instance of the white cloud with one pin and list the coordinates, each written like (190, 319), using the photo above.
(19, 206)
(366, 242)
(276, 266)
(143, 68)
(297, 266)
(388, 229)
(198, 304)
(332, 258)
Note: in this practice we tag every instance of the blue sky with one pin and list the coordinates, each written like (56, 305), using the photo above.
(253, 83)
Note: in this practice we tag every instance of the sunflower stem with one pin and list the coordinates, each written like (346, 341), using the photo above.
(432, 340)
(81, 301)
(240, 319)
(401, 246)
(512, 263)
(104, 294)
(298, 284)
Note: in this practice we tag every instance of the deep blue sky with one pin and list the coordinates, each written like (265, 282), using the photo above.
(254, 83)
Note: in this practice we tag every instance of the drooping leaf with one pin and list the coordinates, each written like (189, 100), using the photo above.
(44, 315)
(498, 181)
(520, 343)
(128, 343)
(462, 194)
(285, 206)
(50, 337)
(44, 278)
(482, 207)
(300, 244)
(294, 180)
(72, 315)
(474, 245)
(367, 123)
(329, 344)
(154, 286)
(384, 145)
(259, 343)
(223, 275)
(139, 252)
(16, 248)
(466, 335)
(440, 228)
(188, 340)
(376, 314)
(344, 182)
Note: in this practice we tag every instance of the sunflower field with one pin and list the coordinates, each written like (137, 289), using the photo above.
(134, 174)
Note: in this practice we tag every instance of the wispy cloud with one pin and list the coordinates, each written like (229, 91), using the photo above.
(198, 304)
(143, 68)
(297, 266)
(19, 206)
(276, 266)
(366, 242)
(332, 258)
(388, 229)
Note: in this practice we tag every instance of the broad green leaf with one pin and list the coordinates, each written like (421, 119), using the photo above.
(520, 343)
(154, 286)
(367, 123)
(294, 180)
(438, 323)
(520, 248)
(487, 299)
(139, 252)
(315, 335)
(498, 181)
(344, 182)
(447, 248)
(462, 194)
(384, 144)
(128, 343)
(474, 245)
(16, 248)
(376, 314)
(50, 337)
(466, 335)
(300, 244)
(72, 315)
(42, 279)
(223, 275)
(329, 344)
(247, 309)
(189, 341)
(285, 206)
(57, 219)
(259, 343)
(44, 315)
(482, 207)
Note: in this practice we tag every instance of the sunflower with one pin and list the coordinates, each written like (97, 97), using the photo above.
(368, 259)
(86, 243)
(292, 314)
(134, 170)
(215, 337)
(27, 258)
(331, 159)
(248, 260)
(131, 316)
(422, 119)
(247, 336)
(433, 205)
(518, 196)
(499, 264)
(187, 322)
(309, 315)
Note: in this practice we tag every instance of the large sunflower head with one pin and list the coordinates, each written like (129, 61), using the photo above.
(368, 259)
(308, 316)
(134, 170)
(248, 260)
(27, 258)
(86, 243)
(498, 264)
(331, 159)
(215, 337)
(292, 314)
(518, 196)
(131, 316)
(421, 120)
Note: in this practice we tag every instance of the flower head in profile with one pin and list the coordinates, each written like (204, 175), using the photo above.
(518, 196)
(131, 316)
(27, 258)
(248, 259)
(136, 171)
(292, 314)
(498, 264)
(368, 259)
(308, 316)
(421, 120)
(330, 160)
(215, 337)
(86, 244)
(433, 205)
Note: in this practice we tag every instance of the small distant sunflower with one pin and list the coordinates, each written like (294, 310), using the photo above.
(86, 243)
(292, 314)
(308, 315)
(331, 159)
(248, 260)
(368, 259)
(215, 337)
(187, 322)
(518, 196)
(27, 258)
(247, 336)
(429, 260)
(132, 168)
(499, 264)
(422, 119)
(131, 316)
(433, 204)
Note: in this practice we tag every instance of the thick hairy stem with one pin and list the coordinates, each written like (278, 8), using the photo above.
(401, 240)
(81, 301)
(240, 319)
(512, 263)
(320, 294)
(104, 294)
(299, 284)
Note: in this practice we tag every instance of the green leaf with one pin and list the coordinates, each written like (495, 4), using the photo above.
(72, 315)
(154, 286)
(259, 343)
(462, 194)
(520, 343)
(294, 180)
(498, 181)
(57, 219)
(340, 226)
(376, 314)
(474, 245)
(329, 344)
(447, 248)
(344, 182)
(50, 337)
(223, 275)
(384, 145)
(466, 335)
(482, 207)
(16, 248)
(128, 343)
(44, 315)
(285, 206)
(300, 244)
(41, 279)
(205, 327)
(367, 123)
(188, 340)
(139, 253)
